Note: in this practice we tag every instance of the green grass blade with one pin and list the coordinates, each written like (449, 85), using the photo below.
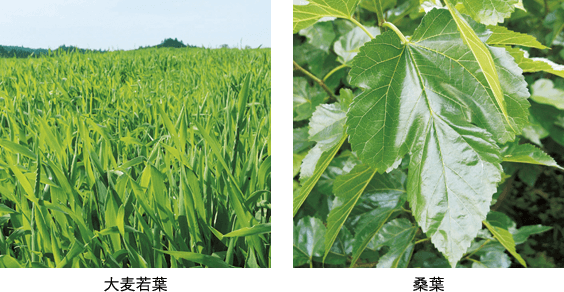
(76, 248)
(237, 195)
(7, 261)
(246, 231)
(22, 179)
(206, 260)
(17, 149)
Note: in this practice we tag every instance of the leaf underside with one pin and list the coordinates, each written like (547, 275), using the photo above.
(429, 99)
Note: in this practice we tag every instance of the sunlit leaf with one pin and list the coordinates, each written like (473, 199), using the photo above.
(527, 153)
(506, 239)
(310, 13)
(429, 98)
(543, 91)
(483, 58)
(347, 46)
(535, 64)
(347, 188)
(488, 11)
(246, 231)
(308, 240)
(325, 158)
(503, 36)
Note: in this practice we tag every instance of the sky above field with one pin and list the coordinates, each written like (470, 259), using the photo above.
(126, 24)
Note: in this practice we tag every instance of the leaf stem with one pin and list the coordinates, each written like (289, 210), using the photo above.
(422, 240)
(405, 210)
(483, 244)
(333, 71)
(473, 260)
(380, 13)
(319, 81)
(396, 30)
(361, 26)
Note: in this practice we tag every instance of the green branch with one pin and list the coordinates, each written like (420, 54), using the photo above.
(361, 26)
(333, 71)
(397, 31)
(319, 81)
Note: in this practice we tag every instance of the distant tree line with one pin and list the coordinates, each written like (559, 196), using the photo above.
(170, 43)
(173, 43)
(22, 52)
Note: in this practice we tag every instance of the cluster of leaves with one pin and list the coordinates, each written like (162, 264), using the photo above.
(402, 144)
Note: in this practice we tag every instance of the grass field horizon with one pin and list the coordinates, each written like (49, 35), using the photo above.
(157, 157)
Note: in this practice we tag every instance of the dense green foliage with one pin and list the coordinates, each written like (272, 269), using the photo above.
(412, 121)
(147, 158)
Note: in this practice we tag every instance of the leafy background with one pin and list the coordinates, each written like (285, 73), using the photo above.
(528, 203)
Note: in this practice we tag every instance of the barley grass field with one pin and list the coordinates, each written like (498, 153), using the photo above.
(146, 158)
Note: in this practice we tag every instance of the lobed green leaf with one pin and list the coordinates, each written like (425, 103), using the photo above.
(430, 98)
